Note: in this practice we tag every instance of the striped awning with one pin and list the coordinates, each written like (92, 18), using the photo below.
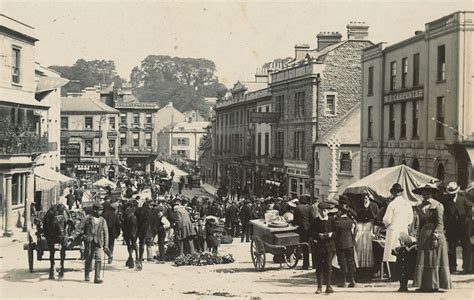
(46, 178)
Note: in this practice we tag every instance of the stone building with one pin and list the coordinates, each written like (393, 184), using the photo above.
(418, 101)
(137, 127)
(313, 93)
(182, 139)
(29, 110)
(89, 133)
(236, 137)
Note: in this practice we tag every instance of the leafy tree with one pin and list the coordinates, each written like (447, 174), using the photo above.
(183, 81)
(88, 73)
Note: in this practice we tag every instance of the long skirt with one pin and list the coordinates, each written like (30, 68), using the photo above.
(432, 264)
(365, 256)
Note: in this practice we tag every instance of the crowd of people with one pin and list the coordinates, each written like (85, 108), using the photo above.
(357, 234)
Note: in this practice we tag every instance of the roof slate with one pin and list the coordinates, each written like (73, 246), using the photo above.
(84, 104)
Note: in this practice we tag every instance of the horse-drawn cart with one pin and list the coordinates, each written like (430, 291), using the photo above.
(37, 240)
(283, 242)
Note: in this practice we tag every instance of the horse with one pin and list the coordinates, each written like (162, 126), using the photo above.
(129, 231)
(137, 224)
(57, 226)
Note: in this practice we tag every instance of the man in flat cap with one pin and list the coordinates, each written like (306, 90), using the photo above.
(322, 233)
(94, 230)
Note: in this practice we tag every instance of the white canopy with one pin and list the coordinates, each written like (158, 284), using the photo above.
(378, 184)
(104, 182)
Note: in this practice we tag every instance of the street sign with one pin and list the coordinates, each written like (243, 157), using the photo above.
(264, 117)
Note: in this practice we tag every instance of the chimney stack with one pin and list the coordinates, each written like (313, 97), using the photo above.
(357, 31)
(261, 75)
(301, 50)
(326, 39)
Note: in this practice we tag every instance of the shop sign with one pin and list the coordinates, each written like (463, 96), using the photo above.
(71, 149)
(112, 134)
(264, 117)
(87, 134)
(405, 95)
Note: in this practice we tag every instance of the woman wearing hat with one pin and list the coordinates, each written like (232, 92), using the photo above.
(365, 227)
(432, 264)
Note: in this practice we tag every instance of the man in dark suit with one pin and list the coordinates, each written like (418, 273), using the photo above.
(322, 232)
(245, 217)
(345, 242)
(303, 220)
(232, 218)
(458, 224)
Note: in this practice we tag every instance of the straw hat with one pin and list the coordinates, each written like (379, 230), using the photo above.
(452, 188)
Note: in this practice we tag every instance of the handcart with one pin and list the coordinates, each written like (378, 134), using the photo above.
(283, 241)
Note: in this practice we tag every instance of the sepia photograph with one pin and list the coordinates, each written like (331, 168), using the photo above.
(236, 149)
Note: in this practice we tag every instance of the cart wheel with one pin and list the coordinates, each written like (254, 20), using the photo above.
(30, 257)
(257, 252)
(291, 259)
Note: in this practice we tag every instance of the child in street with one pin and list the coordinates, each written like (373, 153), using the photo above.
(211, 235)
(406, 258)
(200, 235)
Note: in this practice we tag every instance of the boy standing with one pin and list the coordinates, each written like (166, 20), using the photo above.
(345, 243)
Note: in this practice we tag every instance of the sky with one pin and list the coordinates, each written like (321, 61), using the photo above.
(239, 36)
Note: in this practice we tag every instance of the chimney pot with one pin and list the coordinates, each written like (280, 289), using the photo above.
(357, 31)
(326, 39)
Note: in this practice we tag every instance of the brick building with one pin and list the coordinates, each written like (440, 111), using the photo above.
(410, 90)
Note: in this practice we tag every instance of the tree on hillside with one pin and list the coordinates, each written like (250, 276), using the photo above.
(87, 74)
(183, 81)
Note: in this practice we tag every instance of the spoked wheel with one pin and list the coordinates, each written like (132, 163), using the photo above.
(291, 258)
(257, 251)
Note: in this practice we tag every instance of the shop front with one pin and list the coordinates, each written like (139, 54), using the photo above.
(298, 182)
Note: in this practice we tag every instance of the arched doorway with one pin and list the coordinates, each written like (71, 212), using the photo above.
(404, 162)
(370, 166)
(391, 161)
(415, 164)
(440, 172)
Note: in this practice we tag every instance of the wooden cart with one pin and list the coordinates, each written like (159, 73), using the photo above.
(37, 242)
(277, 241)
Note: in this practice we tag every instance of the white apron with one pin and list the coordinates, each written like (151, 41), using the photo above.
(398, 216)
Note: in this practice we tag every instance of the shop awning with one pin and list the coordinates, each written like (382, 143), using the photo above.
(48, 174)
(47, 84)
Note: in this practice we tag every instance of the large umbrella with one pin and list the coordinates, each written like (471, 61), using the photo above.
(378, 184)
(104, 182)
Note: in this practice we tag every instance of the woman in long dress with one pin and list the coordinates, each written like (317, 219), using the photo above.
(432, 264)
(365, 225)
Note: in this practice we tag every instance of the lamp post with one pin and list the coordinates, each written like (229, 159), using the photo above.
(103, 117)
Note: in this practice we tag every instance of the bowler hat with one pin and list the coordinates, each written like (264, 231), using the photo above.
(452, 188)
(97, 205)
(427, 187)
(343, 199)
(325, 205)
(396, 188)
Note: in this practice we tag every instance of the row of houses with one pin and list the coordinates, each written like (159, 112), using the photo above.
(47, 141)
(346, 108)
